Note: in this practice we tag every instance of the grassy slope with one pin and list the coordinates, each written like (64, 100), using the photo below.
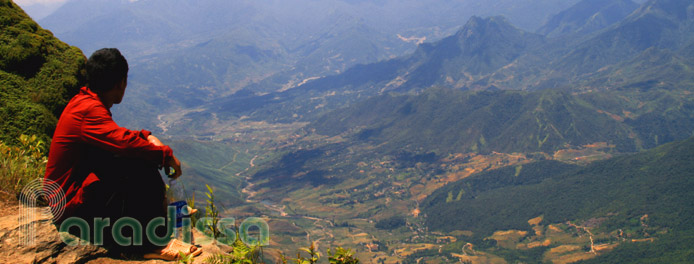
(215, 164)
(38, 75)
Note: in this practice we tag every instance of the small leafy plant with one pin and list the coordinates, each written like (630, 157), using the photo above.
(342, 256)
(21, 164)
(184, 258)
(314, 255)
(212, 212)
(241, 254)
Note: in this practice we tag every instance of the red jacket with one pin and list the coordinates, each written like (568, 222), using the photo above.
(87, 124)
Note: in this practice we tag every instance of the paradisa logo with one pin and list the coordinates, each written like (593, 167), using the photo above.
(29, 213)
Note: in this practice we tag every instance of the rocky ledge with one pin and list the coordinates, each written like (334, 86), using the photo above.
(44, 245)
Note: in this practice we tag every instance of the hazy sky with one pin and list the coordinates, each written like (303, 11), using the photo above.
(32, 2)
(39, 9)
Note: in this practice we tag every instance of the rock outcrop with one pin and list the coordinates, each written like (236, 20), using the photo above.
(44, 245)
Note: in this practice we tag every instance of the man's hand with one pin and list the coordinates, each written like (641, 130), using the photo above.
(172, 163)
(154, 140)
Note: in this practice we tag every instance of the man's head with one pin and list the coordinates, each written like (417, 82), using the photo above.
(107, 70)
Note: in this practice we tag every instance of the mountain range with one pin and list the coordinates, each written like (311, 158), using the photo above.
(512, 60)
(184, 54)
(411, 130)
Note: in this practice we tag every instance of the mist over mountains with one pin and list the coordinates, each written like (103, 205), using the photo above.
(490, 53)
(204, 49)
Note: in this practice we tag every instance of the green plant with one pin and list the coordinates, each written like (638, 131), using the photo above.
(342, 256)
(212, 212)
(20, 164)
(241, 254)
(185, 258)
(283, 259)
(314, 255)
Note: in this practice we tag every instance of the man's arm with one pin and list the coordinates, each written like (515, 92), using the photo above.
(99, 129)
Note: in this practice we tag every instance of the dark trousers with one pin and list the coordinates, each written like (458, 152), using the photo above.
(127, 188)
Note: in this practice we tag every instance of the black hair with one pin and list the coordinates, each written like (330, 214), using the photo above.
(105, 68)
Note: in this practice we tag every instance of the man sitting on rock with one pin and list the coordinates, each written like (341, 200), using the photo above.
(110, 172)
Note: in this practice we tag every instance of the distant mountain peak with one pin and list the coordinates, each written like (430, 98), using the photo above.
(481, 46)
(478, 26)
(661, 24)
(678, 9)
(477, 20)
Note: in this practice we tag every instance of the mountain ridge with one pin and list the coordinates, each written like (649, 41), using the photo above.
(586, 17)
(478, 48)
(657, 23)
(519, 61)
(427, 65)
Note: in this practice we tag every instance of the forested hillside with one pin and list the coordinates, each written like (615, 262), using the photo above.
(446, 121)
(654, 184)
